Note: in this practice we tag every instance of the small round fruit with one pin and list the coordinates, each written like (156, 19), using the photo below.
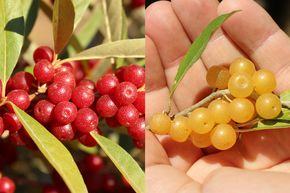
(87, 140)
(86, 120)
(63, 132)
(22, 80)
(200, 140)
(65, 112)
(43, 111)
(218, 77)
(43, 52)
(223, 136)
(87, 83)
(241, 110)
(7, 185)
(268, 106)
(125, 93)
(264, 81)
(241, 85)
(94, 162)
(43, 71)
(242, 65)
(67, 78)
(220, 111)
(83, 97)
(127, 115)
(180, 129)
(107, 84)
(140, 102)
(106, 107)
(137, 130)
(20, 98)
(58, 92)
(135, 74)
(160, 124)
(201, 120)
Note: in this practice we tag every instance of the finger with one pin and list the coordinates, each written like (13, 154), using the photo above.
(255, 32)
(228, 180)
(165, 30)
(166, 179)
(195, 15)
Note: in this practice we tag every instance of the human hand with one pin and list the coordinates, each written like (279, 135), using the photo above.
(259, 162)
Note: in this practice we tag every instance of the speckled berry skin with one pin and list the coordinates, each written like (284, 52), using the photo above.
(120, 73)
(43, 71)
(11, 122)
(83, 97)
(1, 126)
(58, 92)
(112, 122)
(127, 115)
(140, 102)
(63, 68)
(86, 120)
(105, 106)
(43, 52)
(87, 83)
(7, 185)
(65, 78)
(125, 93)
(43, 111)
(23, 81)
(20, 98)
(137, 129)
(134, 74)
(65, 112)
(87, 140)
(63, 132)
(107, 84)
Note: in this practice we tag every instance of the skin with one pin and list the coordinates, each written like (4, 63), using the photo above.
(260, 161)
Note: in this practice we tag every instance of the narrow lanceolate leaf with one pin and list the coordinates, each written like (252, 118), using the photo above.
(80, 7)
(11, 37)
(197, 49)
(54, 151)
(30, 10)
(63, 23)
(124, 162)
(131, 48)
(115, 17)
(285, 98)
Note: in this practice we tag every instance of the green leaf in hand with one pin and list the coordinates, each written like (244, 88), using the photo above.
(11, 37)
(197, 48)
(123, 161)
(54, 151)
(63, 23)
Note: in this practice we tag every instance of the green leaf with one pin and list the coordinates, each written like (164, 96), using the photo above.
(285, 98)
(11, 37)
(80, 7)
(197, 49)
(123, 161)
(63, 23)
(131, 48)
(115, 17)
(30, 11)
(54, 151)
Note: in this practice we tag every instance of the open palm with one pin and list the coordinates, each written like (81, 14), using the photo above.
(260, 161)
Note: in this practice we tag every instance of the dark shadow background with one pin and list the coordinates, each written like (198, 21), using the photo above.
(279, 10)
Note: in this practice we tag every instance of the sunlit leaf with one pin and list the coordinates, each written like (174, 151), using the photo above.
(11, 37)
(124, 162)
(80, 7)
(115, 17)
(63, 23)
(197, 48)
(54, 151)
(285, 98)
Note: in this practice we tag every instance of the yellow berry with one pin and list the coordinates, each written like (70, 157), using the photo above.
(241, 85)
(242, 65)
(180, 130)
(218, 77)
(264, 81)
(200, 140)
(220, 111)
(223, 136)
(241, 110)
(201, 120)
(268, 106)
(160, 123)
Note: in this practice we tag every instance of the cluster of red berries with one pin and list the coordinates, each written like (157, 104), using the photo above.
(122, 101)
(96, 176)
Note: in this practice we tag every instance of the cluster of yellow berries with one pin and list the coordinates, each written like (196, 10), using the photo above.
(250, 96)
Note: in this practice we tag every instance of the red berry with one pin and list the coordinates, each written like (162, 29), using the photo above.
(64, 68)
(43, 111)
(43, 52)
(140, 102)
(20, 98)
(22, 80)
(83, 97)
(78, 70)
(135, 74)
(87, 140)
(93, 63)
(29, 143)
(137, 3)
(63, 132)
(137, 130)
(65, 112)
(86, 120)
(87, 83)
(125, 93)
(107, 84)
(139, 143)
(127, 115)
(109, 183)
(6, 185)
(58, 92)
(120, 73)
(112, 122)
(94, 162)
(1, 126)
(43, 71)
(15, 139)
(51, 189)
(106, 107)
(65, 78)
